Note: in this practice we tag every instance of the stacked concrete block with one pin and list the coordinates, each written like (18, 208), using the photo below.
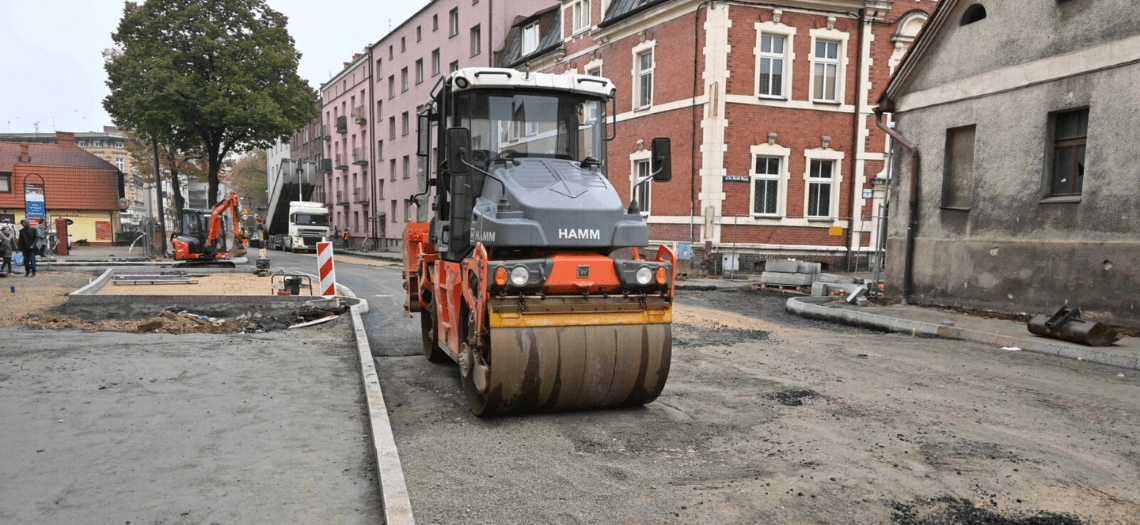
(789, 272)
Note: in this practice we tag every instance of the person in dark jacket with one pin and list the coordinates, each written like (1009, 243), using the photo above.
(7, 248)
(27, 244)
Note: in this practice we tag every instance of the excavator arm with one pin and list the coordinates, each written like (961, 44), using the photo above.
(230, 203)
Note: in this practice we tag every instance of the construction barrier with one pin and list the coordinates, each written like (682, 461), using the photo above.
(325, 268)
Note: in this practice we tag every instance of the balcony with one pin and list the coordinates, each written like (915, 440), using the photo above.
(342, 124)
(326, 165)
(322, 132)
(360, 195)
(358, 157)
(341, 163)
(340, 200)
(358, 115)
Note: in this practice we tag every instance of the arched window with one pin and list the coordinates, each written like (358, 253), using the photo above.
(973, 14)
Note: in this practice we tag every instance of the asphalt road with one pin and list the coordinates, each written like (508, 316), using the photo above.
(378, 282)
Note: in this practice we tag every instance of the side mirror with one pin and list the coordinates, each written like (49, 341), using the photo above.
(458, 150)
(662, 165)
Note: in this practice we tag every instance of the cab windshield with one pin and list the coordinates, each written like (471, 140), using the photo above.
(532, 123)
(307, 219)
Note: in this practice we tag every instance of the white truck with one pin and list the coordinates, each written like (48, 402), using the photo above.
(293, 221)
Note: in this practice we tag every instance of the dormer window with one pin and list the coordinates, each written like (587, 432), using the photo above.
(973, 14)
(530, 38)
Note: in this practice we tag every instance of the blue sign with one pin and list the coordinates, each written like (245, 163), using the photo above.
(684, 251)
(737, 178)
(34, 201)
(35, 209)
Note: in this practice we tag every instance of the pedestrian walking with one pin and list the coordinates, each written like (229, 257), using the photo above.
(345, 237)
(7, 248)
(26, 241)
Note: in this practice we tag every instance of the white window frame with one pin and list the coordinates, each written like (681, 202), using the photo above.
(636, 160)
(403, 80)
(580, 16)
(788, 33)
(121, 164)
(639, 50)
(476, 40)
(840, 62)
(836, 181)
(770, 151)
(435, 61)
(419, 71)
(453, 22)
(529, 40)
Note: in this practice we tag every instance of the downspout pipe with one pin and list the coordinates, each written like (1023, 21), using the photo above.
(912, 225)
(857, 121)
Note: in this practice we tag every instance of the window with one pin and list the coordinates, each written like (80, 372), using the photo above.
(404, 79)
(391, 53)
(5, 183)
(419, 34)
(407, 211)
(379, 109)
(379, 63)
(393, 215)
(1070, 132)
(530, 38)
(973, 14)
(392, 127)
(96, 144)
(453, 19)
(819, 188)
(475, 40)
(391, 86)
(403, 45)
(404, 123)
(121, 164)
(766, 186)
(958, 170)
(435, 63)
(82, 143)
(380, 188)
(435, 22)
(392, 173)
(644, 95)
(772, 60)
(594, 72)
(453, 67)
(581, 16)
(119, 145)
(406, 164)
(419, 71)
(641, 192)
(826, 71)
(380, 149)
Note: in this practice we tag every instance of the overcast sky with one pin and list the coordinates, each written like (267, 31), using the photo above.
(52, 67)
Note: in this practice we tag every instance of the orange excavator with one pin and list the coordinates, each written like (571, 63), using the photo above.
(200, 244)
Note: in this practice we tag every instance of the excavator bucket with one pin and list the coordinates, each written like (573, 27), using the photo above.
(1067, 325)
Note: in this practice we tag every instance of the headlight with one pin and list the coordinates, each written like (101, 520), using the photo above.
(520, 276)
(644, 275)
(461, 82)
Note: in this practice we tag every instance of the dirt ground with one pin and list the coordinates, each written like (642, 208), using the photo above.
(35, 302)
(771, 418)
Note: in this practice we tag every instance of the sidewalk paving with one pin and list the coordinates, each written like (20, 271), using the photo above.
(952, 324)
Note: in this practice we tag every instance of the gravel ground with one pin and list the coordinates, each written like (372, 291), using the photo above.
(136, 428)
(770, 418)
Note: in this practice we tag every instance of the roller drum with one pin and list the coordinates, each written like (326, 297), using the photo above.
(539, 369)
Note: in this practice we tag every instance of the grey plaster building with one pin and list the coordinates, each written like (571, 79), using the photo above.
(1022, 190)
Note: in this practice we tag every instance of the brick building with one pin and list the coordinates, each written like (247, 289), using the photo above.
(77, 185)
(769, 108)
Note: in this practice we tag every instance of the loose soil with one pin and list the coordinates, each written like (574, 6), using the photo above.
(772, 418)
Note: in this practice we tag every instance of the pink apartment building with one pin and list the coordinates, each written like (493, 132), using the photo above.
(369, 108)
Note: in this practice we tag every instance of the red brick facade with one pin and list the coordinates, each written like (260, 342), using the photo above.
(706, 98)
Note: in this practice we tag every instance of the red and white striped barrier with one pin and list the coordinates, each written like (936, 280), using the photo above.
(325, 268)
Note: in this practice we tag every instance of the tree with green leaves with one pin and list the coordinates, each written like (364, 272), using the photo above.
(216, 76)
(248, 179)
(178, 165)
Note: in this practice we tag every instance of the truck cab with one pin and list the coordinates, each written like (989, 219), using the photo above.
(308, 225)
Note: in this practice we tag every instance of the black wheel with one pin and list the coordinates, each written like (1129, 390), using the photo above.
(432, 351)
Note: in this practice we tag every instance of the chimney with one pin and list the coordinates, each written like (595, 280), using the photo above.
(355, 56)
(65, 138)
(24, 157)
